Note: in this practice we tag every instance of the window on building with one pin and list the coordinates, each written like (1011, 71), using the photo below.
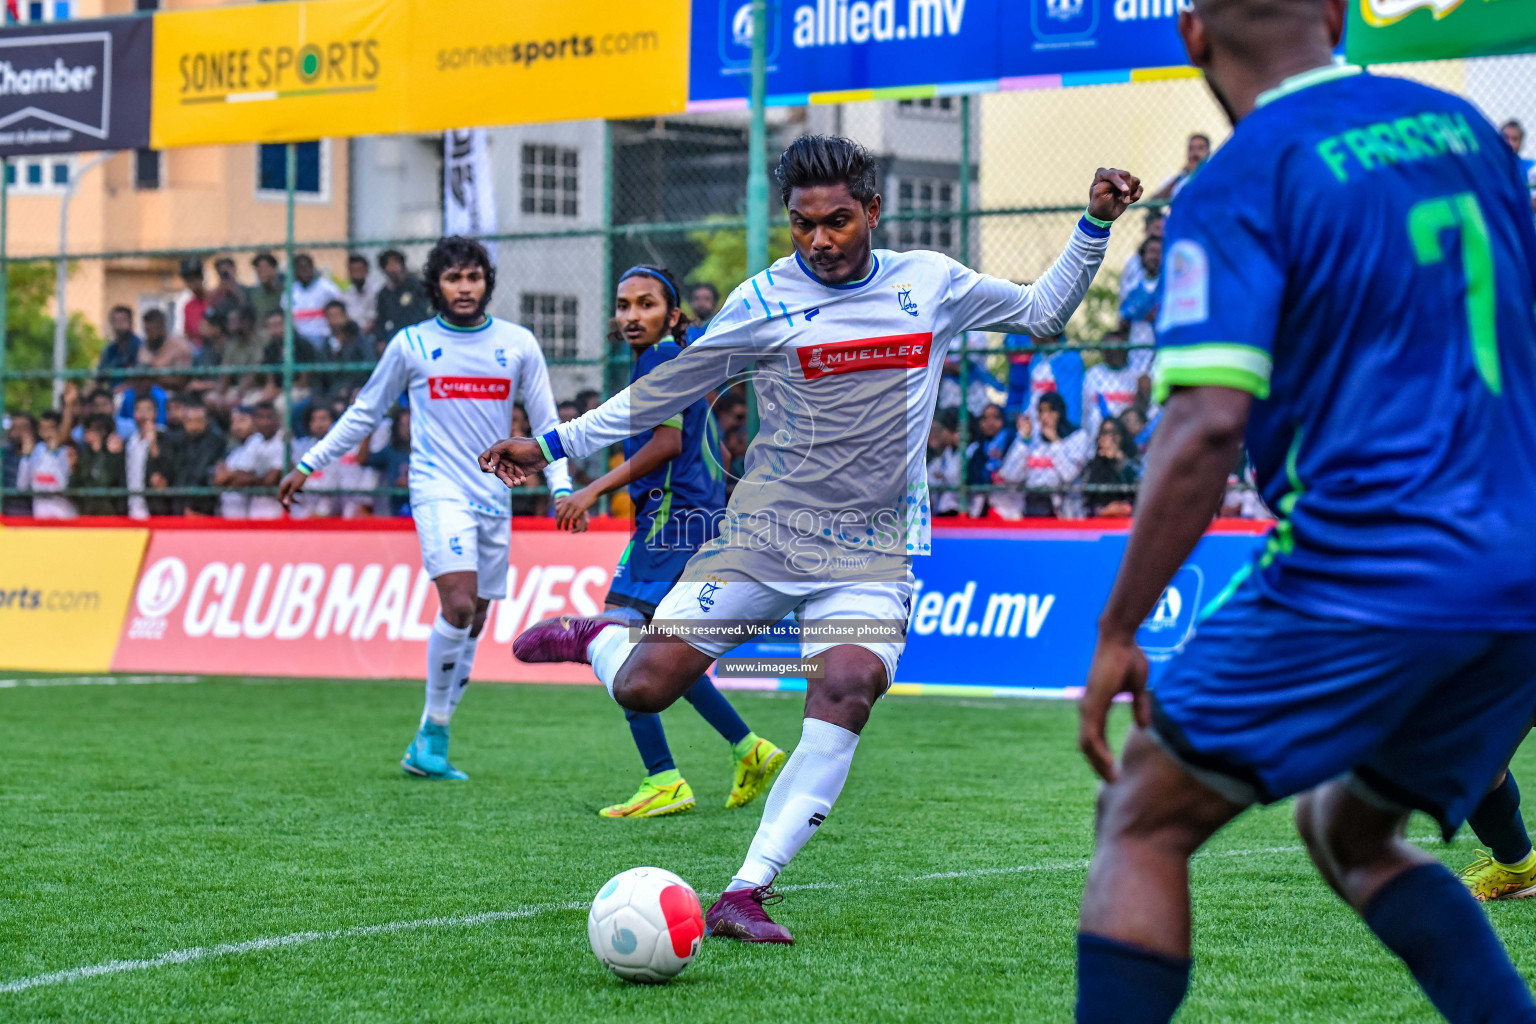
(926, 196)
(552, 319)
(39, 173)
(41, 10)
(146, 168)
(933, 106)
(272, 169)
(550, 182)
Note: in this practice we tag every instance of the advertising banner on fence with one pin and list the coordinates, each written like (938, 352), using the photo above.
(63, 594)
(347, 605)
(69, 87)
(306, 69)
(1381, 31)
(841, 46)
(1016, 611)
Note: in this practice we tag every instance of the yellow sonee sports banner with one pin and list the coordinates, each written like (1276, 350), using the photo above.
(307, 69)
(63, 595)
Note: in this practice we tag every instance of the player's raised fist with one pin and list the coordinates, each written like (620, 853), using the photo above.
(1111, 192)
(513, 459)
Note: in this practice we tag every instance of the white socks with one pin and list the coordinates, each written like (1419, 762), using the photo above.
(799, 802)
(461, 675)
(444, 649)
(607, 652)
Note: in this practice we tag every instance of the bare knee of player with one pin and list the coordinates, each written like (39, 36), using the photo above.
(847, 691)
(647, 682)
(1155, 802)
(458, 601)
(1355, 843)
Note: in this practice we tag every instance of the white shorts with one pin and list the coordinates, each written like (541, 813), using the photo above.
(832, 609)
(455, 538)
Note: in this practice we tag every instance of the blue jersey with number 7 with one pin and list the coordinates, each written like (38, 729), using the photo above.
(1359, 256)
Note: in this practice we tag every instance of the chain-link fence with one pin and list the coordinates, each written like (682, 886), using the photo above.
(175, 266)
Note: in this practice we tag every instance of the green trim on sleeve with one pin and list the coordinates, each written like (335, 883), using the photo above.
(675, 421)
(544, 447)
(1215, 364)
(305, 469)
(1091, 219)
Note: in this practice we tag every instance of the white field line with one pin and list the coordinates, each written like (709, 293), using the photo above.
(182, 956)
(8, 684)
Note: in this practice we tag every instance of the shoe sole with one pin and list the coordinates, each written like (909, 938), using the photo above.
(743, 938)
(1523, 894)
(656, 812)
(412, 770)
(770, 768)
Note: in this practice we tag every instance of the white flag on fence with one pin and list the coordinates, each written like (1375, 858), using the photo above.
(469, 194)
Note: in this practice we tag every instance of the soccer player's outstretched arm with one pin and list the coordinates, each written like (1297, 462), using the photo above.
(543, 416)
(982, 302)
(650, 401)
(384, 385)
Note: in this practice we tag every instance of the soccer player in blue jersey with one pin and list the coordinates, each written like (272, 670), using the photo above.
(675, 479)
(1358, 252)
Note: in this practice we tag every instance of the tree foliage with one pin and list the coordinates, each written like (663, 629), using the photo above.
(29, 335)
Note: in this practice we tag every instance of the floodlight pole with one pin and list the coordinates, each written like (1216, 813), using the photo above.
(757, 169)
(61, 275)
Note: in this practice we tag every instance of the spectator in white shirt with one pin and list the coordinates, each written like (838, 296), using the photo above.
(46, 468)
(1139, 302)
(145, 456)
(309, 293)
(258, 463)
(361, 295)
(1112, 386)
(1133, 271)
(1051, 457)
(944, 462)
(314, 501)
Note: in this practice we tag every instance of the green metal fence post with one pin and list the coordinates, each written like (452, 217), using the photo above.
(965, 180)
(292, 185)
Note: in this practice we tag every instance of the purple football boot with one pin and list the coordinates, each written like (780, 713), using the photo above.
(740, 915)
(563, 638)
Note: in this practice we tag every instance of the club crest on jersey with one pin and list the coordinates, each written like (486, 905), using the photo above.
(1380, 13)
(707, 593)
(904, 299)
(437, 352)
(454, 546)
(501, 357)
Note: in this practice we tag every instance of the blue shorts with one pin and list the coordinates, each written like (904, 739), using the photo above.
(1266, 702)
(655, 557)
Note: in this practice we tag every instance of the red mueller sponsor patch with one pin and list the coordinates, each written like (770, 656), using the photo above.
(496, 388)
(897, 352)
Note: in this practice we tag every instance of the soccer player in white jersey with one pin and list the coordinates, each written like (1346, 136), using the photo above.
(463, 371)
(845, 347)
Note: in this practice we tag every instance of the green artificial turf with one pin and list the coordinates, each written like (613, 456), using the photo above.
(137, 821)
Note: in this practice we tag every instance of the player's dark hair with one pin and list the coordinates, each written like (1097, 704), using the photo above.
(813, 160)
(456, 251)
(669, 291)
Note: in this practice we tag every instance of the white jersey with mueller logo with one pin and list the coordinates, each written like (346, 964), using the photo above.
(846, 378)
(462, 385)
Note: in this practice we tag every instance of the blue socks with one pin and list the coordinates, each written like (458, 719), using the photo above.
(1498, 825)
(716, 710)
(1427, 917)
(651, 739)
(1123, 984)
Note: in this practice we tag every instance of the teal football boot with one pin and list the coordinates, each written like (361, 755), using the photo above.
(427, 756)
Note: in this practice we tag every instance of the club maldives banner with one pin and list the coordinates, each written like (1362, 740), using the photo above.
(1392, 30)
(354, 604)
(997, 611)
(281, 72)
(68, 87)
(825, 50)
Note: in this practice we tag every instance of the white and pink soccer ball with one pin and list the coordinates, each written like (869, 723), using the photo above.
(646, 925)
